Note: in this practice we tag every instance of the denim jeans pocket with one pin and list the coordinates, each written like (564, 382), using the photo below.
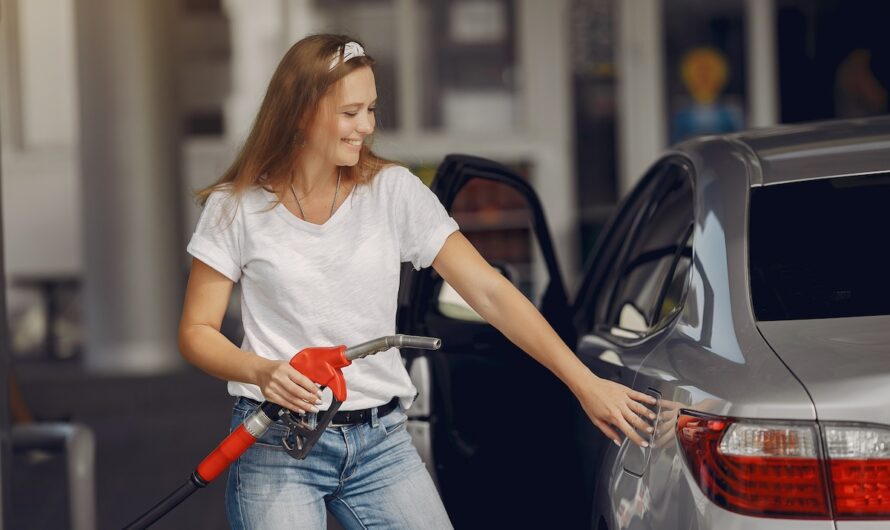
(394, 421)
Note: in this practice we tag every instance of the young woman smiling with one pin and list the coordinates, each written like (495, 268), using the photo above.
(315, 225)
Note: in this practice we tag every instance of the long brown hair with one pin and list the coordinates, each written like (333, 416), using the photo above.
(301, 80)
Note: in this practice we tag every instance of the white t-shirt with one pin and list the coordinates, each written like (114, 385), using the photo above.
(308, 285)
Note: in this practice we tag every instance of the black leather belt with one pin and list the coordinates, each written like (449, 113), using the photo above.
(351, 417)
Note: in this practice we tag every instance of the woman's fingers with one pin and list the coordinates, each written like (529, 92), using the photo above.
(281, 383)
(641, 397)
(608, 431)
(637, 421)
(631, 430)
(301, 380)
(296, 391)
(610, 405)
(641, 409)
(284, 396)
(310, 394)
(298, 406)
(629, 423)
(625, 426)
(306, 401)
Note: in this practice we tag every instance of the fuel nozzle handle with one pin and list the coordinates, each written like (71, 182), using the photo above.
(392, 341)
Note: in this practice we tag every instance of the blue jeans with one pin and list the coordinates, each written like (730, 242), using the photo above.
(367, 475)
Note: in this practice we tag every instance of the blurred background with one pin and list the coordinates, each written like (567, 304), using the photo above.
(113, 111)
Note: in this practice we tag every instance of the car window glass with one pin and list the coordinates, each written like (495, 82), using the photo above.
(818, 248)
(650, 283)
(674, 290)
(594, 293)
(497, 219)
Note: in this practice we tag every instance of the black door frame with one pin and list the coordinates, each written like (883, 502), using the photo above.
(453, 173)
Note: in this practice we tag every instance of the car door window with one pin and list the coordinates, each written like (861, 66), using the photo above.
(498, 221)
(648, 285)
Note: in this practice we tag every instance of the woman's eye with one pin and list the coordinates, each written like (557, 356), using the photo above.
(351, 114)
(372, 110)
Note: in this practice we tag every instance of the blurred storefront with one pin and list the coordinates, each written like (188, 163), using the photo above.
(580, 95)
(834, 59)
(648, 73)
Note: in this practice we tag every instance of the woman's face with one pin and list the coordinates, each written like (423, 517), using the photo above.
(345, 117)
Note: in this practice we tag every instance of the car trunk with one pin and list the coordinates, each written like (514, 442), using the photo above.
(844, 363)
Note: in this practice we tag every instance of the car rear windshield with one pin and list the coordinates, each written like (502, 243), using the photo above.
(819, 248)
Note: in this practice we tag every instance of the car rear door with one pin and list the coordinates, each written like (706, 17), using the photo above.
(493, 425)
(633, 290)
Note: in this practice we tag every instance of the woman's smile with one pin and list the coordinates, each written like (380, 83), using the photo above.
(355, 144)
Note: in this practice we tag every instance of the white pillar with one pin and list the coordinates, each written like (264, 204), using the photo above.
(641, 89)
(302, 20)
(259, 32)
(763, 85)
(408, 53)
(547, 99)
(130, 192)
(46, 58)
(10, 76)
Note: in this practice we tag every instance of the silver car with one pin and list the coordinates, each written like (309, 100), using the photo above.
(745, 283)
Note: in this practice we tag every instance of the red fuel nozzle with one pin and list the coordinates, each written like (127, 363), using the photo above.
(322, 365)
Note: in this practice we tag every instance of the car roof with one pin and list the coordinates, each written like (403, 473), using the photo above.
(787, 153)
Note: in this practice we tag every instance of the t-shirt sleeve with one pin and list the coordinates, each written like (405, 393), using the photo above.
(216, 240)
(423, 223)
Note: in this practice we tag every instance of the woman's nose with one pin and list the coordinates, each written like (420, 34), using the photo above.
(365, 124)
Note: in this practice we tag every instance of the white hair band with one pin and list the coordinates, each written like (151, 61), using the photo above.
(350, 50)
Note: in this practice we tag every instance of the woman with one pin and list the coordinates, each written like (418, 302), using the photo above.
(315, 226)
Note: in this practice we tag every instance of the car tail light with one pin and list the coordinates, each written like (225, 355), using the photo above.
(860, 471)
(778, 470)
(756, 469)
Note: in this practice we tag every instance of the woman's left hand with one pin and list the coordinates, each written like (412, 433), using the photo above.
(609, 404)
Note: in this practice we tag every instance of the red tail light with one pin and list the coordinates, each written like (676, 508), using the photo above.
(771, 469)
(860, 471)
(781, 479)
(861, 488)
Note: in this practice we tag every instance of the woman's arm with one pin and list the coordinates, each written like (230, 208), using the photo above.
(202, 344)
(503, 306)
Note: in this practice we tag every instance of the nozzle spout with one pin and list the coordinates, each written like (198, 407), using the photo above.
(392, 341)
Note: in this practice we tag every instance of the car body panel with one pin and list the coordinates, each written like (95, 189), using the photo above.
(843, 362)
(711, 358)
(715, 360)
(820, 149)
(861, 525)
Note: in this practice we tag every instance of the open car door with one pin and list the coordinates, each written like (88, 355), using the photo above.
(494, 426)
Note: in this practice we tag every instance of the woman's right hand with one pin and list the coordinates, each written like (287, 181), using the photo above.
(282, 384)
